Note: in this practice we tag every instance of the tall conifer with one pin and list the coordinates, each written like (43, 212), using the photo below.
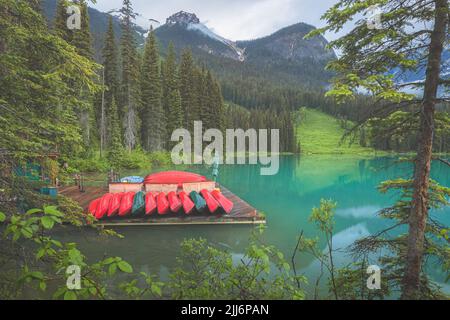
(153, 117)
(110, 63)
(172, 99)
(129, 93)
(187, 89)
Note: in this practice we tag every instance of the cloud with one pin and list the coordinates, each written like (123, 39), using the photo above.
(233, 19)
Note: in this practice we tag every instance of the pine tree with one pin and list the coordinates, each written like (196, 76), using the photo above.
(110, 63)
(206, 100)
(38, 104)
(82, 39)
(219, 107)
(129, 92)
(187, 89)
(60, 22)
(153, 122)
(115, 149)
(36, 5)
(366, 55)
(171, 94)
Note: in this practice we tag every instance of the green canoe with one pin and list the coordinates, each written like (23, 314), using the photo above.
(138, 203)
(200, 203)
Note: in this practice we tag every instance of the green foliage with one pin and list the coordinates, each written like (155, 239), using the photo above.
(351, 283)
(92, 164)
(160, 158)
(399, 131)
(153, 127)
(40, 86)
(206, 272)
(118, 159)
(171, 92)
(239, 117)
(129, 91)
(32, 231)
(323, 218)
(115, 151)
(108, 118)
(393, 261)
(135, 160)
(186, 73)
(151, 289)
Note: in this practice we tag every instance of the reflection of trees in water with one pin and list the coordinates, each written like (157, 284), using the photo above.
(386, 168)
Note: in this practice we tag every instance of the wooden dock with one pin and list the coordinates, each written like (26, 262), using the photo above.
(242, 212)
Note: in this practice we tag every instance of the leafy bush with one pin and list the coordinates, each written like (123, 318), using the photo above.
(205, 272)
(41, 262)
(160, 158)
(94, 164)
(137, 159)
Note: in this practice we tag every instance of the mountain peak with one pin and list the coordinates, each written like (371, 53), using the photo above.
(183, 18)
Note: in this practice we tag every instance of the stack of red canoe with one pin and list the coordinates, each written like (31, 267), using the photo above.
(121, 204)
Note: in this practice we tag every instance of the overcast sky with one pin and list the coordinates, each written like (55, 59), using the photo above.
(233, 19)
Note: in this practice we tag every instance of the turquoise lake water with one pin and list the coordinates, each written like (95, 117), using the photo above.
(286, 199)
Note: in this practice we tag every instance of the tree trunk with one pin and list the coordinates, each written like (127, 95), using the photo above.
(419, 210)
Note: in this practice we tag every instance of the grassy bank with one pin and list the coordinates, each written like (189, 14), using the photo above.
(319, 133)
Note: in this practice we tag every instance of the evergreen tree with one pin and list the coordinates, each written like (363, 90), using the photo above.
(60, 22)
(110, 63)
(36, 5)
(82, 39)
(115, 149)
(129, 95)
(206, 98)
(366, 56)
(38, 96)
(218, 105)
(187, 89)
(171, 94)
(153, 122)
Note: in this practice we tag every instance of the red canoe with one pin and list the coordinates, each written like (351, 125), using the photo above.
(163, 204)
(103, 206)
(188, 205)
(225, 203)
(114, 204)
(212, 204)
(126, 204)
(174, 202)
(93, 206)
(150, 203)
(173, 177)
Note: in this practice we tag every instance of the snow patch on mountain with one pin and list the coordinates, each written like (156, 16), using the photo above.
(200, 27)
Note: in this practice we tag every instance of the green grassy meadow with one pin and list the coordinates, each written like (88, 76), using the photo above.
(319, 133)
